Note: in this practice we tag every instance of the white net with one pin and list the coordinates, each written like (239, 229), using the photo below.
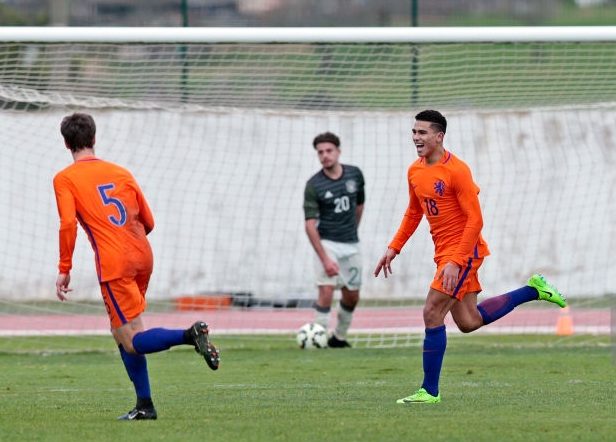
(353, 77)
(219, 136)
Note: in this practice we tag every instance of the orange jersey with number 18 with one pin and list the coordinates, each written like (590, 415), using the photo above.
(109, 205)
(447, 195)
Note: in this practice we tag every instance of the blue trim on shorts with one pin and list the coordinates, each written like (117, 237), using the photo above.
(115, 304)
(468, 268)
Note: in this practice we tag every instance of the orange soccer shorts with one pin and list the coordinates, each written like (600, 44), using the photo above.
(125, 298)
(468, 281)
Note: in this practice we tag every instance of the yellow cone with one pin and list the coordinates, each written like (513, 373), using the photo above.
(564, 325)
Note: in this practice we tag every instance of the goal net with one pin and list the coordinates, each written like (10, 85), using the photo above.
(217, 126)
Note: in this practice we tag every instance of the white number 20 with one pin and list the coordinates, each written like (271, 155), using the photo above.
(342, 204)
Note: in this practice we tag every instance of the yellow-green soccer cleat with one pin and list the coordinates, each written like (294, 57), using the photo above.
(421, 396)
(547, 291)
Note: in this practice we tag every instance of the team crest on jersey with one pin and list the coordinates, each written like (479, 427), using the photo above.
(439, 187)
(351, 186)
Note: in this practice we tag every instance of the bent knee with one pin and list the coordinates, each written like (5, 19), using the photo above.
(126, 342)
(468, 327)
(432, 316)
(130, 349)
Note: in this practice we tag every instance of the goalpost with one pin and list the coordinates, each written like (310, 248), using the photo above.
(216, 124)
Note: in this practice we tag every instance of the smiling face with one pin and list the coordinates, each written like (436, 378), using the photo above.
(428, 141)
(328, 154)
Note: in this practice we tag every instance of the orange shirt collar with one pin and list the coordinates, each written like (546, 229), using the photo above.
(87, 158)
(446, 157)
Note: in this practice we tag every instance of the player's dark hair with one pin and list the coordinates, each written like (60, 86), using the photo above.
(78, 131)
(439, 122)
(326, 137)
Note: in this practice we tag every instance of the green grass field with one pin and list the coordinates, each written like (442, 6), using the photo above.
(493, 387)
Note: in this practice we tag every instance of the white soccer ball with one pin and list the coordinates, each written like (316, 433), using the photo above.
(311, 336)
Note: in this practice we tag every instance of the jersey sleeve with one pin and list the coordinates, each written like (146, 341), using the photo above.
(68, 222)
(361, 191)
(145, 213)
(311, 204)
(410, 221)
(466, 192)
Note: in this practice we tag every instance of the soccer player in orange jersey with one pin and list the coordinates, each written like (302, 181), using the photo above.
(109, 205)
(442, 189)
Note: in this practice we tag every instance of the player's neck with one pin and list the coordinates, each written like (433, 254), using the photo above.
(333, 172)
(88, 152)
(435, 156)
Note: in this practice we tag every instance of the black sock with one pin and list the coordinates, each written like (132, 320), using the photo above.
(145, 403)
(188, 337)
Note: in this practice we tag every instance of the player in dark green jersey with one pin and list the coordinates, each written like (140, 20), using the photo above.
(333, 205)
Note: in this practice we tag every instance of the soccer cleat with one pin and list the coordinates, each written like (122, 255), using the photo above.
(547, 292)
(421, 396)
(200, 336)
(334, 342)
(137, 414)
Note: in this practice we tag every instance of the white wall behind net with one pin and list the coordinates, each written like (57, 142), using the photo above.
(226, 189)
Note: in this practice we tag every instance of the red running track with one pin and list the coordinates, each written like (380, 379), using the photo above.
(272, 320)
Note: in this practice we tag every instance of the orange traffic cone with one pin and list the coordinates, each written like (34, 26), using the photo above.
(564, 325)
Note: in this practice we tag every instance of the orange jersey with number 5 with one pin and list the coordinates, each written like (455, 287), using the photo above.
(447, 195)
(109, 205)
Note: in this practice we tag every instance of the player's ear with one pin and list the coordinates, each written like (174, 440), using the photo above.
(93, 140)
(67, 145)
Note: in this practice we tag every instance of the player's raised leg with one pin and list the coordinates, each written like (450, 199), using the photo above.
(538, 288)
(159, 339)
(125, 301)
(466, 315)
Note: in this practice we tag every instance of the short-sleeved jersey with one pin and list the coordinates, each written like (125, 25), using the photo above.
(109, 205)
(447, 195)
(333, 203)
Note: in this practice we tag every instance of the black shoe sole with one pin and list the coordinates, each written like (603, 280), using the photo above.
(204, 347)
